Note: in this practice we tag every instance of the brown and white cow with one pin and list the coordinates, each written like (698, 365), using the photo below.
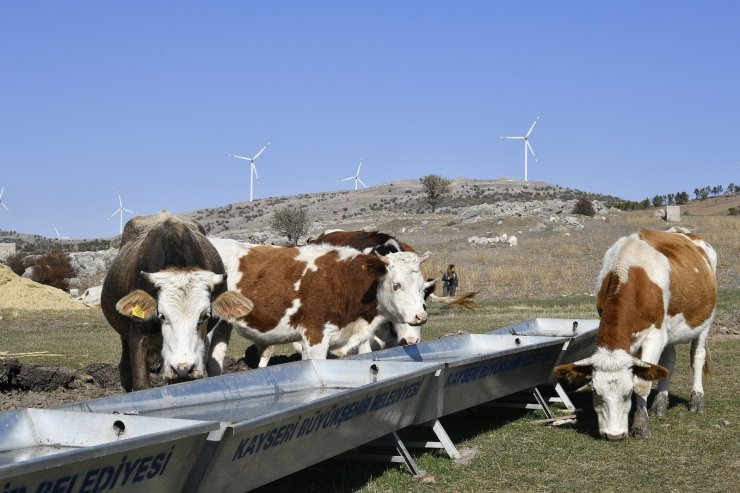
(162, 293)
(388, 335)
(322, 296)
(655, 289)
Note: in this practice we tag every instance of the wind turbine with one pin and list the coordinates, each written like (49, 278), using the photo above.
(356, 177)
(59, 236)
(527, 146)
(121, 209)
(252, 167)
(1, 198)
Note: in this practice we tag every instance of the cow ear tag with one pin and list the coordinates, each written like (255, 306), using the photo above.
(138, 312)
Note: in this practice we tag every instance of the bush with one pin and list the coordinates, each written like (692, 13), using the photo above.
(53, 269)
(584, 207)
(16, 264)
(733, 211)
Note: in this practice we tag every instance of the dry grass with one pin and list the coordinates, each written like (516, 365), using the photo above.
(548, 262)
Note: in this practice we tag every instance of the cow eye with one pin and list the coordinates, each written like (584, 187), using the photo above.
(396, 286)
(203, 317)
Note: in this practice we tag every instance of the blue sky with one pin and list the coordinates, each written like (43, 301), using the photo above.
(147, 98)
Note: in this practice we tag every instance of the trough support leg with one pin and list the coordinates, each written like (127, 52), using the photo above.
(407, 459)
(563, 397)
(542, 403)
(445, 440)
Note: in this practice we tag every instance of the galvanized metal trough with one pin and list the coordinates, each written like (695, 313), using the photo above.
(43, 450)
(281, 419)
(478, 368)
(581, 337)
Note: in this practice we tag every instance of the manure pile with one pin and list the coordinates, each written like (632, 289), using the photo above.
(17, 293)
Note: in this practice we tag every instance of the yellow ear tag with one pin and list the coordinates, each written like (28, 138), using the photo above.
(138, 312)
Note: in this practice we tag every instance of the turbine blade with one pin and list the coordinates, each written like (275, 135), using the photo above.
(516, 138)
(254, 168)
(531, 150)
(346, 179)
(363, 183)
(116, 212)
(358, 168)
(6, 207)
(126, 210)
(261, 151)
(239, 157)
(532, 127)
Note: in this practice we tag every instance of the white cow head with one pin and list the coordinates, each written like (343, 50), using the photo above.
(183, 308)
(614, 374)
(400, 290)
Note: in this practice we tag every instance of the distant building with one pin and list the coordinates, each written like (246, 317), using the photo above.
(6, 250)
(673, 213)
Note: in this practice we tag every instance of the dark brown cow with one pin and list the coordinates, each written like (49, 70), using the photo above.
(655, 289)
(321, 295)
(162, 294)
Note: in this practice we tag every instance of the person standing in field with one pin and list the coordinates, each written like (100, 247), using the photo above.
(449, 281)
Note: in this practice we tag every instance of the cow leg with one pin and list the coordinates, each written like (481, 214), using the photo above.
(660, 403)
(139, 360)
(124, 366)
(699, 358)
(317, 351)
(218, 343)
(265, 353)
(651, 352)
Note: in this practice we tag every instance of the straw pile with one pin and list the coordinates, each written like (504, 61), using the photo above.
(17, 293)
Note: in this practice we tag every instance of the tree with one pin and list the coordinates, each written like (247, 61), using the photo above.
(682, 198)
(53, 269)
(16, 264)
(291, 222)
(584, 207)
(657, 201)
(436, 189)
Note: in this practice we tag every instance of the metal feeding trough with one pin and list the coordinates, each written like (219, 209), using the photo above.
(478, 368)
(44, 450)
(581, 334)
(281, 419)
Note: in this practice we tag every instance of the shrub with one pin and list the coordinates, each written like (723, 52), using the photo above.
(53, 269)
(584, 207)
(16, 264)
(733, 211)
(290, 222)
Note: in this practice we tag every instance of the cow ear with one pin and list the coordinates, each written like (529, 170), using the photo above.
(573, 372)
(231, 306)
(137, 305)
(650, 372)
(375, 265)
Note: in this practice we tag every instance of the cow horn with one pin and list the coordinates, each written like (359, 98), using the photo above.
(424, 257)
(583, 362)
(383, 259)
(640, 363)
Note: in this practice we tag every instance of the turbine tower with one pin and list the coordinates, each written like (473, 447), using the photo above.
(2, 190)
(356, 177)
(527, 146)
(121, 209)
(252, 167)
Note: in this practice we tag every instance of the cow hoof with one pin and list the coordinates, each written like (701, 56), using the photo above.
(641, 424)
(660, 405)
(696, 405)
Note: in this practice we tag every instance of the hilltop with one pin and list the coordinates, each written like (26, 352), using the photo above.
(398, 199)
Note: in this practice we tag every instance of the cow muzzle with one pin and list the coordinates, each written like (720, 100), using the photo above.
(408, 340)
(613, 438)
(419, 319)
(181, 372)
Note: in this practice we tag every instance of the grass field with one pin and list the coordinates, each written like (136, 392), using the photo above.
(516, 450)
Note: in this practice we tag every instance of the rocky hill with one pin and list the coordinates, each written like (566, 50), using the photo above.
(250, 221)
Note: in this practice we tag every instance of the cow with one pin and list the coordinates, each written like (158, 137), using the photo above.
(162, 293)
(388, 335)
(322, 296)
(655, 289)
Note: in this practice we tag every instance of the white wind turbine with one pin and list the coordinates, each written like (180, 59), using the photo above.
(1, 198)
(527, 146)
(252, 167)
(59, 236)
(356, 177)
(121, 209)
